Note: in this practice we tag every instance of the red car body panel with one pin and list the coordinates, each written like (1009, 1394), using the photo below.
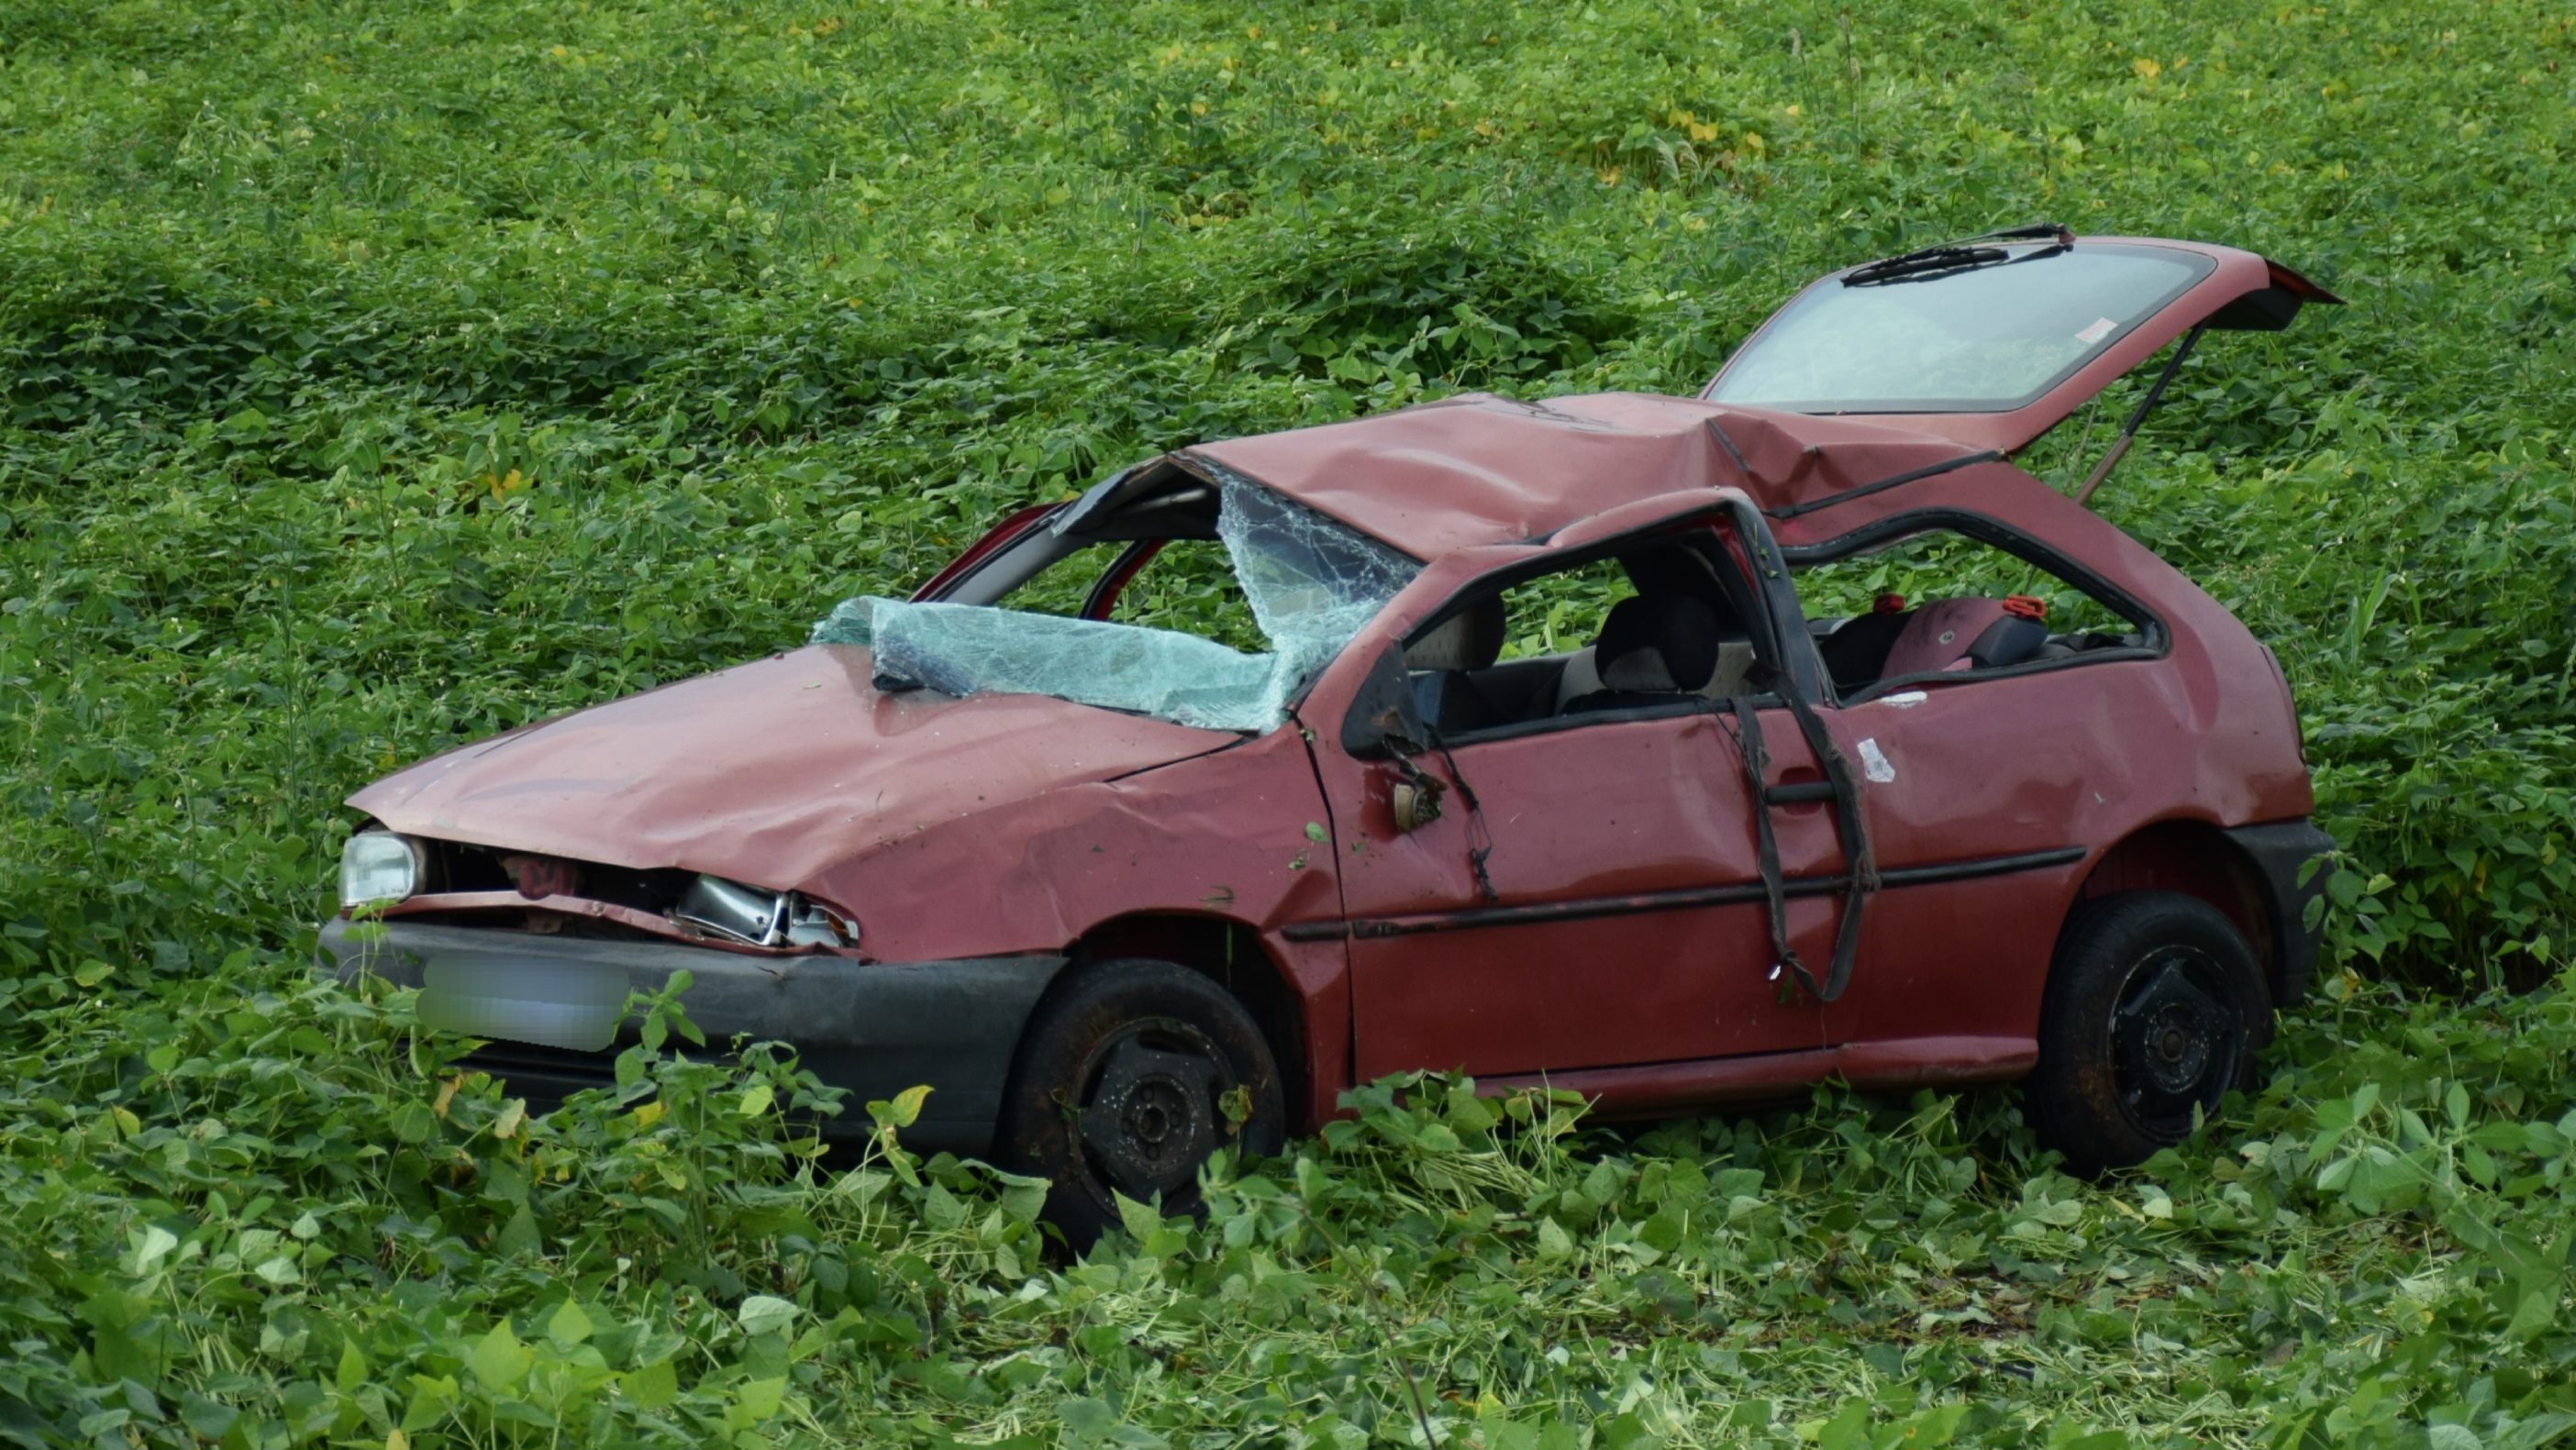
(772, 771)
(1620, 948)
(1475, 470)
(1670, 1089)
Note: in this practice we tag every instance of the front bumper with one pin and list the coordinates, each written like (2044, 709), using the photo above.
(875, 1029)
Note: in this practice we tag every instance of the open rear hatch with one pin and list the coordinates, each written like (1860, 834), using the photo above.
(1995, 339)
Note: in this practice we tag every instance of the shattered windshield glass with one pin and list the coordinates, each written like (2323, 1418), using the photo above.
(1311, 583)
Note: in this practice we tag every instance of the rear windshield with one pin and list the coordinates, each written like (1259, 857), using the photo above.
(1988, 340)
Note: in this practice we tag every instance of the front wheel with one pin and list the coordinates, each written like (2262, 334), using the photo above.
(2154, 1009)
(1129, 1074)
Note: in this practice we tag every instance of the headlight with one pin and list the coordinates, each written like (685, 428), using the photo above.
(378, 868)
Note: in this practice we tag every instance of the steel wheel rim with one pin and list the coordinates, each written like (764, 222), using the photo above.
(2177, 1037)
(1148, 1110)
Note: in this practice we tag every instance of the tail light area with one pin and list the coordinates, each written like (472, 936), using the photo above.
(2289, 702)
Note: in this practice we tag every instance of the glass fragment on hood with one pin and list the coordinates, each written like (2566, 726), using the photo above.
(1312, 584)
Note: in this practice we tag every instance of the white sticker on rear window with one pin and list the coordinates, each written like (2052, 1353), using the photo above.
(2098, 331)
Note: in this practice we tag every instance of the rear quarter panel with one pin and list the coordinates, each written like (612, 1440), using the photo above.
(2083, 755)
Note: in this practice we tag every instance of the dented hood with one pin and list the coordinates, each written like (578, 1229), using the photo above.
(767, 773)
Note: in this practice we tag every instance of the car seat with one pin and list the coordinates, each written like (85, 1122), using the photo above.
(1654, 647)
(1470, 640)
(1440, 661)
(1958, 634)
(1855, 654)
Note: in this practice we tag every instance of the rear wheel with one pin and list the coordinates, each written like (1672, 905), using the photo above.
(1129, 1074)
(2154, 1009)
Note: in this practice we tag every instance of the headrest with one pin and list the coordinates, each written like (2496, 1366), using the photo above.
(1938, 636)
(1470, 641)
(1657, 642)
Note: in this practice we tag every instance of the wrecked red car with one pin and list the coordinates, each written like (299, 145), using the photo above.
(1676, 751)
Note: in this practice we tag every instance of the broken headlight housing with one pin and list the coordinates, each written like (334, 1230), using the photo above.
(758, 917)
(378, 868)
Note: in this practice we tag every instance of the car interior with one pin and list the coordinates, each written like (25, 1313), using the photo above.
(1658, 626)
(1676, 636)
(1680, 635)
(2001, 614)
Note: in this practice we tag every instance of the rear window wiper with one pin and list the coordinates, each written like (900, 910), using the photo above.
(1963, 255)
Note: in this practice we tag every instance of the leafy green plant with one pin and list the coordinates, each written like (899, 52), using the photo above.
(370, 383)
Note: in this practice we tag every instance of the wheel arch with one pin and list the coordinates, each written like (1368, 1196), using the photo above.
(1229, 953)
(2199, 859)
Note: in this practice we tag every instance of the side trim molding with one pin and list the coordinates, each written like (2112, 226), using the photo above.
(1730, 894)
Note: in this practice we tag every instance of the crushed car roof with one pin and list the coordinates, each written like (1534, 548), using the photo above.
(1478, 469)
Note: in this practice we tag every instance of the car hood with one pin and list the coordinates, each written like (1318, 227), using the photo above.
(767, 773)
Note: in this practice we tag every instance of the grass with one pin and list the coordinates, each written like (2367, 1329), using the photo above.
(375, 378)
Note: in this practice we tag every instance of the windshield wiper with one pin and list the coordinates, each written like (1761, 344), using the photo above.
(1960, 256)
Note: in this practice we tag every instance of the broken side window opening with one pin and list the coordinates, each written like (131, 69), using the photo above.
(1557, 614)
(1651, 627)
(1309, 583)
(1934, 600)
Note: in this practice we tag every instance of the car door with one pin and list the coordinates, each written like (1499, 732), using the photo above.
(1600, 903)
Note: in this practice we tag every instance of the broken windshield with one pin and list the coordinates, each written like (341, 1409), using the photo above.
(1986, 339)
(1311, 583)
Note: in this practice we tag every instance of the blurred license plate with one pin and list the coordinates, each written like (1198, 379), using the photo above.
(524, 998)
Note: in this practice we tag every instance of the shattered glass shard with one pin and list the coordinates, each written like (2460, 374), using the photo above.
(852, 621)
(1311, 582)
(966, 649)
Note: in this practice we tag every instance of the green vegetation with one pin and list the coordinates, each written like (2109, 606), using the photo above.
(376, 377)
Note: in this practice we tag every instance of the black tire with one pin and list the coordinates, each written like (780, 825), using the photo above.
(1128, 1075)
(2155, 1007)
